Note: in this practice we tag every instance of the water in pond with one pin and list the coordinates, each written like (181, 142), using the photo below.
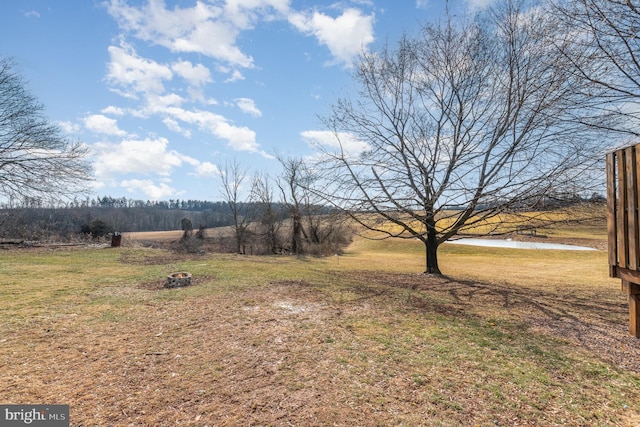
(494, 243)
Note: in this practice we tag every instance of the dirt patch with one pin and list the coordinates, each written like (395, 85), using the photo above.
(161, 284)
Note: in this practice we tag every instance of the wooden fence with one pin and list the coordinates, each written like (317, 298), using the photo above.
(623, 226)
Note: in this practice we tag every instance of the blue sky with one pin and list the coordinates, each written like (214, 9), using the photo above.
(164, 92)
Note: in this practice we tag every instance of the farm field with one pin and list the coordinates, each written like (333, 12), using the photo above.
(507, 337)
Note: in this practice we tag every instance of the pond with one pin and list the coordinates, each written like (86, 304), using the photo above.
(508, 243)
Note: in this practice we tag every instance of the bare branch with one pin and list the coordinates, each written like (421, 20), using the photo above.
(36, 161)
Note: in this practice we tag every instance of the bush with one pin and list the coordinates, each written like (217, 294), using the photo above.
(97, 229)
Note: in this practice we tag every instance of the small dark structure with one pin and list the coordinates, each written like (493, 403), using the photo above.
(178, 280)
(116, 240)
(623, 226)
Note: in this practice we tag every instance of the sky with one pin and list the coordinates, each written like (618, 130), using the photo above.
(166, 92)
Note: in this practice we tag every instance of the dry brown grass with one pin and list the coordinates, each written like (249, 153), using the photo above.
(162, 236)
(507, 338)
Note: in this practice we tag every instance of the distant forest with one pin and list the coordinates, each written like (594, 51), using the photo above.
(37, 222)
(102, 215)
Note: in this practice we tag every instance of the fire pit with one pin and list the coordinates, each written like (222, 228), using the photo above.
(178, 280)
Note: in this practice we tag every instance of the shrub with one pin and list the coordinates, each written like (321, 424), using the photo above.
(97, 229)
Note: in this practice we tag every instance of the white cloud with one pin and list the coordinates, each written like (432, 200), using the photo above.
(248, 106)
(198, 29)
(202, 169)
(142, 156)
(347, 142)
(196, 75)
(68, 127)
(174, 126)
(159, 103)
(212, 28)
(142, 76)
(113, 110)
(101, 124)
(150, 189)
(238, 138)
(479, 4)
(145, 157)
(32, 14)
(236, 75)
(346, 36)
(207, 169)
(134, 73)
(97, 185)
(168, 90)
(244, 13)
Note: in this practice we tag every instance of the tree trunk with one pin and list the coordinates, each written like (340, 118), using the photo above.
(296, 241)
(431, 249)
(238, 243)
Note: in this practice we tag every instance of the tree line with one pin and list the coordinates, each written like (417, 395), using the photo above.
(123, 215)
(259, 222)
(113, 202)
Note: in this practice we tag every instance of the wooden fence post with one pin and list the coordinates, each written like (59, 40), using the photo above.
(633, 290)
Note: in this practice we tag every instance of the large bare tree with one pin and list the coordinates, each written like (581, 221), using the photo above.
(36, 161)
(607, 33)
(464, 127)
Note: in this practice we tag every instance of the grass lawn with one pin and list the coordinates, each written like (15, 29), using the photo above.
(507, 337)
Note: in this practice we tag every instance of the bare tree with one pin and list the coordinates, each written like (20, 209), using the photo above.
(187, 227)
(36, 161)
(607, 34)
(269, 218)
(464, 128)
(315, 228)
(232, 175)
(292, 190)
